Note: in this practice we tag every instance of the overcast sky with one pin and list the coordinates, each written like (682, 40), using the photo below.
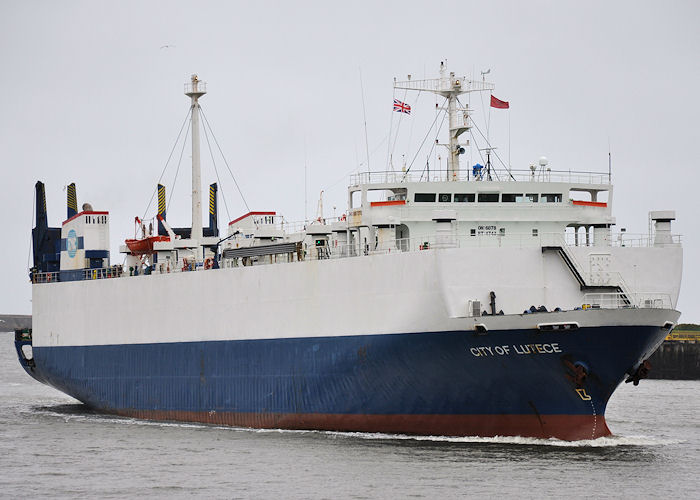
(93, 93)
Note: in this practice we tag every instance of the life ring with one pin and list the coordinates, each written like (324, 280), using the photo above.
(208, 263)
(48, 278)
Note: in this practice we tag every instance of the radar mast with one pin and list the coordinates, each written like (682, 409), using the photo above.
(450, 87)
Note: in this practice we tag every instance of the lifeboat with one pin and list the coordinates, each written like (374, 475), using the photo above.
(144, 246)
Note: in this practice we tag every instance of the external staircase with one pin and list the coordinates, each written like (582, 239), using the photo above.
(584, 279)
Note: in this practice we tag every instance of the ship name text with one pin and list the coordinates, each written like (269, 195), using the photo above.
(519, 349)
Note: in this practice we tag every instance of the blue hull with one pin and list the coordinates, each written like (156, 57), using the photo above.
(460, 383)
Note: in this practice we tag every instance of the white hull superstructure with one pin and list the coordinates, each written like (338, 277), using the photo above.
(412, 291)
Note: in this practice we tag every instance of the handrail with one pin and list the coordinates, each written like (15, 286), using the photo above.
(281, 224)
(394, 245)
(639, 300)
(86, 274)
(620, 239)
(50, 277)
(514, 175)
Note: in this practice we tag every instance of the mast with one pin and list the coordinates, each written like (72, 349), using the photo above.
(450, 87)
(194, 90)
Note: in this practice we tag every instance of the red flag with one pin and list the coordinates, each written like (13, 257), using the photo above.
(497, 103)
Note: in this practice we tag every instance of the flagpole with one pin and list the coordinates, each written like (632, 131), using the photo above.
(510, 167)
(389, 149)
(392, 144)
(488, 124)
(488, 120)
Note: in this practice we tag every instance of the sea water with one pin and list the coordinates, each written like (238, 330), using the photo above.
(52, 446)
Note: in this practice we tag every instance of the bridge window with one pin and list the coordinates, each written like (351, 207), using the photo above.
(398, 194)
(380, 195)
(551, 198)
(445, 197)
(464, 197)
(488, 197)
(424, 197)
(511, 198)
(579, 195)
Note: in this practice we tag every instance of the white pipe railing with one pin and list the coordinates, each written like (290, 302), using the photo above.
(414, 244)
(497, 174)
(640, 300)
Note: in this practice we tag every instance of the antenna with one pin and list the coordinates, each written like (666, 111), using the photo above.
(488, 161)
(306, 184)
(364, 115)
(609, 164)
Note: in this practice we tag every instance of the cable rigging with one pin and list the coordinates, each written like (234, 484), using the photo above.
(424, 138)
(177, 171)
(189, 111)
(488, 144)
(225, 162)
(216, 171)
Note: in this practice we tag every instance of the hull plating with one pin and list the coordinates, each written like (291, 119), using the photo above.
(516, 382)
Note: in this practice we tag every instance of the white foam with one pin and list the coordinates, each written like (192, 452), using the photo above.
(602, 442)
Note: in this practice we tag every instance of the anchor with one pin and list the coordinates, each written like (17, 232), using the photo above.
(577, 372)
(641, 372)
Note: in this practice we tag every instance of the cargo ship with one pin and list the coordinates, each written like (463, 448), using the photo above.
(469, 301)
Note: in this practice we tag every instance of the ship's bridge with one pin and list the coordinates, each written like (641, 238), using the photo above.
(526, 205)
(539, 203)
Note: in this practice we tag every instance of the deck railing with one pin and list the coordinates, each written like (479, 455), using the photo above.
(45, 277)
(619, 239)
(414, 244)
(82, 274)
(514, 175)
(641, 300)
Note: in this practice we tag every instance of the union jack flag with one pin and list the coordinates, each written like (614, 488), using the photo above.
(402, 107)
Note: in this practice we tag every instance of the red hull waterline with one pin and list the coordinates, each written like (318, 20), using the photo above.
(565, 427)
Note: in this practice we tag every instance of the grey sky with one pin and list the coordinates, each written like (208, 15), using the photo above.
(91, 97)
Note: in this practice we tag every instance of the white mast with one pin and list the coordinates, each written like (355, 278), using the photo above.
(194, 90)
(450, 86)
